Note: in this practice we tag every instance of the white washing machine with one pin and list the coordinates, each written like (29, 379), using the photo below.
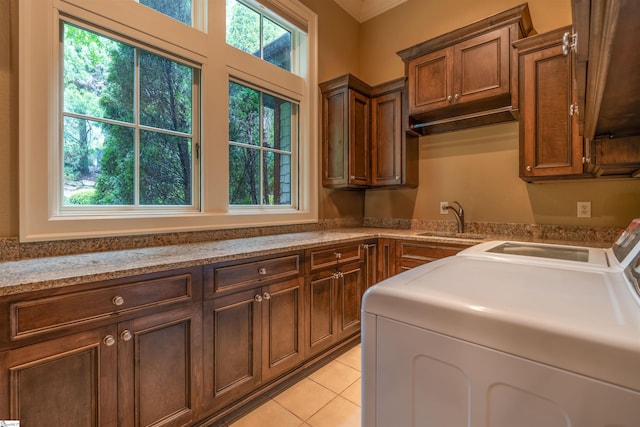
(507, 334)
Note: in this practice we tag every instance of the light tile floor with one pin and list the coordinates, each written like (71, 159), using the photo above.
(329, 397)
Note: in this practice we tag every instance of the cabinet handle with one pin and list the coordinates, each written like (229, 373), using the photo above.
(262, 271)
(258, 298)
(126, 335)
(338, 255)
(117, 300)
(456, 96)
(109, 340)
(365, 246)
(529, 168)
(397, 177)
(449, 98)
(352, 177)
(337, 275)
(266, 296)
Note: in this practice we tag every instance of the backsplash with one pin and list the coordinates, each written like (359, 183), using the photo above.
(11, 249)
(571, 233)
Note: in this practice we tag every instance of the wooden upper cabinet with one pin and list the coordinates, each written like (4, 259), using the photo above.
(345, 130)
(467, 77)
(363, 140)
(386, 132)
(550, 144)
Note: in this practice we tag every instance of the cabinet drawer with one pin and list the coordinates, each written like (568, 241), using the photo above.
(413, 254)
(42, 315)
(322, 258)
(250, 273)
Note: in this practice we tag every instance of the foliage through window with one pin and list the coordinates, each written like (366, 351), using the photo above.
(129, 123)
(262, 131)
(251, 31)
(180, 10)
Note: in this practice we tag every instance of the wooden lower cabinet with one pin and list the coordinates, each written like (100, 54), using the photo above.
(333, 305)
(65, 381)
(250, 337)
(116, 375)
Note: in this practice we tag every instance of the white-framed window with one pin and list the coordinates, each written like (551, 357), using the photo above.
(173, 150)
(129, 123)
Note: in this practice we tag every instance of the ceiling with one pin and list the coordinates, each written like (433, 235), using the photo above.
(367, 9)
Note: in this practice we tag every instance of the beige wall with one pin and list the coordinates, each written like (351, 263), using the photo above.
(338, 54)
(8, 119)
(479, 167)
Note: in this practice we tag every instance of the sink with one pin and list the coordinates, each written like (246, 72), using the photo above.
(467, 236)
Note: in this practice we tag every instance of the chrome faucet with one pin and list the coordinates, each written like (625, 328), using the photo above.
(459, 213)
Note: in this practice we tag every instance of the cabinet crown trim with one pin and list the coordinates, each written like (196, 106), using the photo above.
(518, 15)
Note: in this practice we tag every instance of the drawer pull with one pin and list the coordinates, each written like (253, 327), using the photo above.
(262, 271)
(126, 335)
(258, 298)
(338, 255)
(266, 296)
(117, 300)
(109, 340)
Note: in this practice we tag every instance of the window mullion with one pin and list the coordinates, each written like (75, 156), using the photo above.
(261, 148)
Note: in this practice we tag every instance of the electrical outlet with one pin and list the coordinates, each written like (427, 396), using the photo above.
(584, 209)
(443, 208)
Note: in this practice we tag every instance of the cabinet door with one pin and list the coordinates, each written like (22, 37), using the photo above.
(481, 67)
(371, 259)
(345, 139)
(386, 259)
(320, 314)
(65, 381)
(550, 141)
(349, 287)
(231, 347)
(282, 327)
(386, 139)
(157, 368)
(359, 157)
(430, 81)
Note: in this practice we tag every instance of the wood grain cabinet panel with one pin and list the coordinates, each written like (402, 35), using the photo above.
(345, 130)
(550, 144)
(467, 77)
(232, 348)
(108, 364)
(64, 381)
(363, 139)
(412, 253)
(251, 336)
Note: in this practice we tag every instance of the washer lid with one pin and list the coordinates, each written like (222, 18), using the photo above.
(581, 320)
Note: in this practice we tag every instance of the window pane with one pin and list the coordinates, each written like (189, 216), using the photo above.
(244, 175)
(165, 169)
(244, 114)
(98, 75)
(243, 28)
(277, 179)
(98, 163)
(165, 93)
(176, 9)
(277, 123)
(277, 45)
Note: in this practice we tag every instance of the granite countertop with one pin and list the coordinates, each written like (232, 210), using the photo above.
(55, 272)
